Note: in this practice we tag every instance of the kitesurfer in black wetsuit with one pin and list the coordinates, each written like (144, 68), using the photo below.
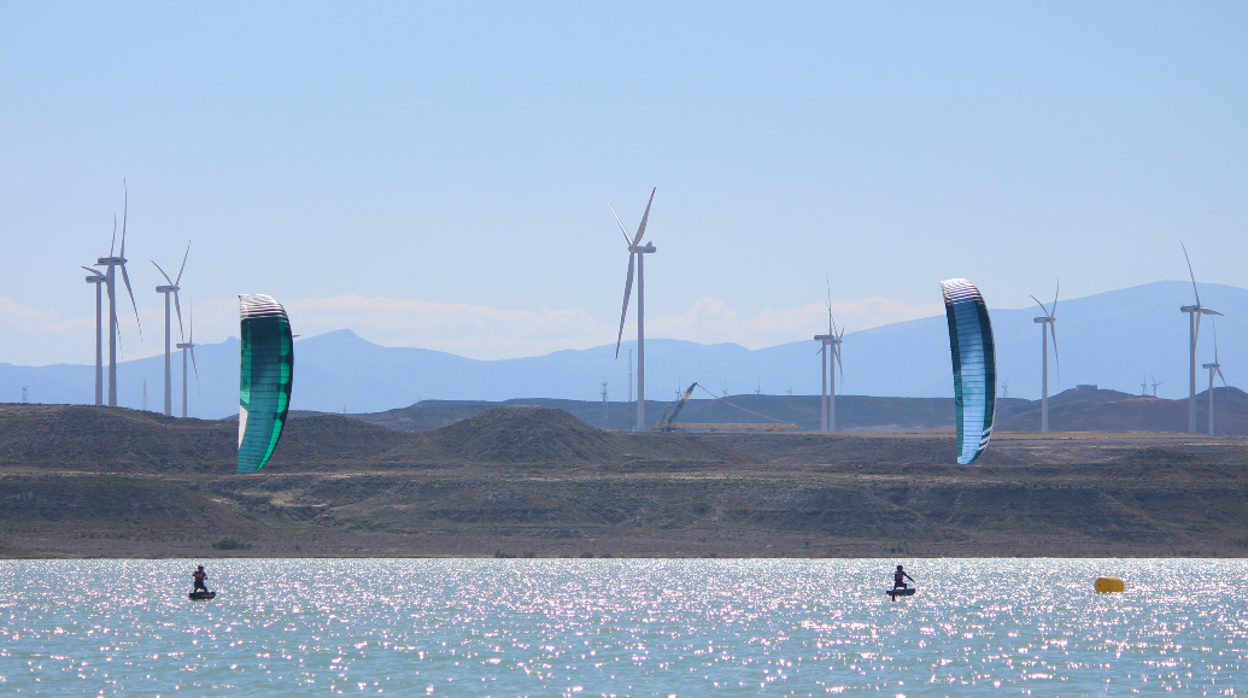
(200, 576)
(899, 580)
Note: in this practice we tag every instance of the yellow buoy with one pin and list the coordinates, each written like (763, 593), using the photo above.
(1106, 585)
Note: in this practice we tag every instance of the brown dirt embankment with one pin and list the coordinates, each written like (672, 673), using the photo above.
(78, 481)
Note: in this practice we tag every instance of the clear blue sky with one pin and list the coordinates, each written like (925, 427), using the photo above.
(375, 163)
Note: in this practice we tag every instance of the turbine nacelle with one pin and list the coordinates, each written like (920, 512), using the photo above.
(648, 248)
(1198, 309)
(167, 289)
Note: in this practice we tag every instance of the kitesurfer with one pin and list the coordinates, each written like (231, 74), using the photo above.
(200, 576)
(899, 580)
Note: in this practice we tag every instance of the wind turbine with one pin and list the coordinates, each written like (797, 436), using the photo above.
(636, 258)
(1144, 389)
(97, 278)
(1193, 321)
(1215, 368)
(1155, 384)
(172, 287)
(832, 340)
(1047, 330)
(186, 346)
(112, 262)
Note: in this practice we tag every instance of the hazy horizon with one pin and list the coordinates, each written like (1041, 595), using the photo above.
(302, 311)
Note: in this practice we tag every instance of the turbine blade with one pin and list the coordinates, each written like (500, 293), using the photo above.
(126, 277)
(1046, 310)
(839, 364)
(1192, 274)
(641, 230)
(1056, 357)
(162, 273)
(191, 311)
(188, 254)
(628, 291)
(113, 245)
(628, 239)
(828, 281)
(94, 271)
(194, 365)
(125, 215)
(1224, 383)
(178, 307)
(1207, 311)
(1053, 313)
(1215, 341)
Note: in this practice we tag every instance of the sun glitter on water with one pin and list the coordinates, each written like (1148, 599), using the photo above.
(619, 627)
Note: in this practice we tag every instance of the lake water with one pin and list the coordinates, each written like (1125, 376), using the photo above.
(622, 627)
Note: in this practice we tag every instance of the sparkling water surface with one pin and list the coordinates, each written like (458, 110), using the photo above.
(621, 627)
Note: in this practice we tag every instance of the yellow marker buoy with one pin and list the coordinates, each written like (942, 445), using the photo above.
(1106, 585)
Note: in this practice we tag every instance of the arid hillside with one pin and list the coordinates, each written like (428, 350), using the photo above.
(80, 481)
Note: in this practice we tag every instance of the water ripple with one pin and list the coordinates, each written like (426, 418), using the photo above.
(620, 627)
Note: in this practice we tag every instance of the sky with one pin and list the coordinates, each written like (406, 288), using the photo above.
(437, 175)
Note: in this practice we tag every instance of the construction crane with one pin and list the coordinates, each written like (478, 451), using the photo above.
(665, 424)
(669, 424)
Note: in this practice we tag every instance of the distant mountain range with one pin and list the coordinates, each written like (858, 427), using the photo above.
(1116, 339)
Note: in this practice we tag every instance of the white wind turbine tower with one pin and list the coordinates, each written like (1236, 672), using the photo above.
(636, 257)
(97, 278)
(1155, 384)
(1193, 320)
(832, 340)
(1047, 330)
(172, 287)
(1215, 368)
(112, 262)
(189, 346)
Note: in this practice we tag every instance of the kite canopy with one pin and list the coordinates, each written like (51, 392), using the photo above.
(974, 366)
(268, 362)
